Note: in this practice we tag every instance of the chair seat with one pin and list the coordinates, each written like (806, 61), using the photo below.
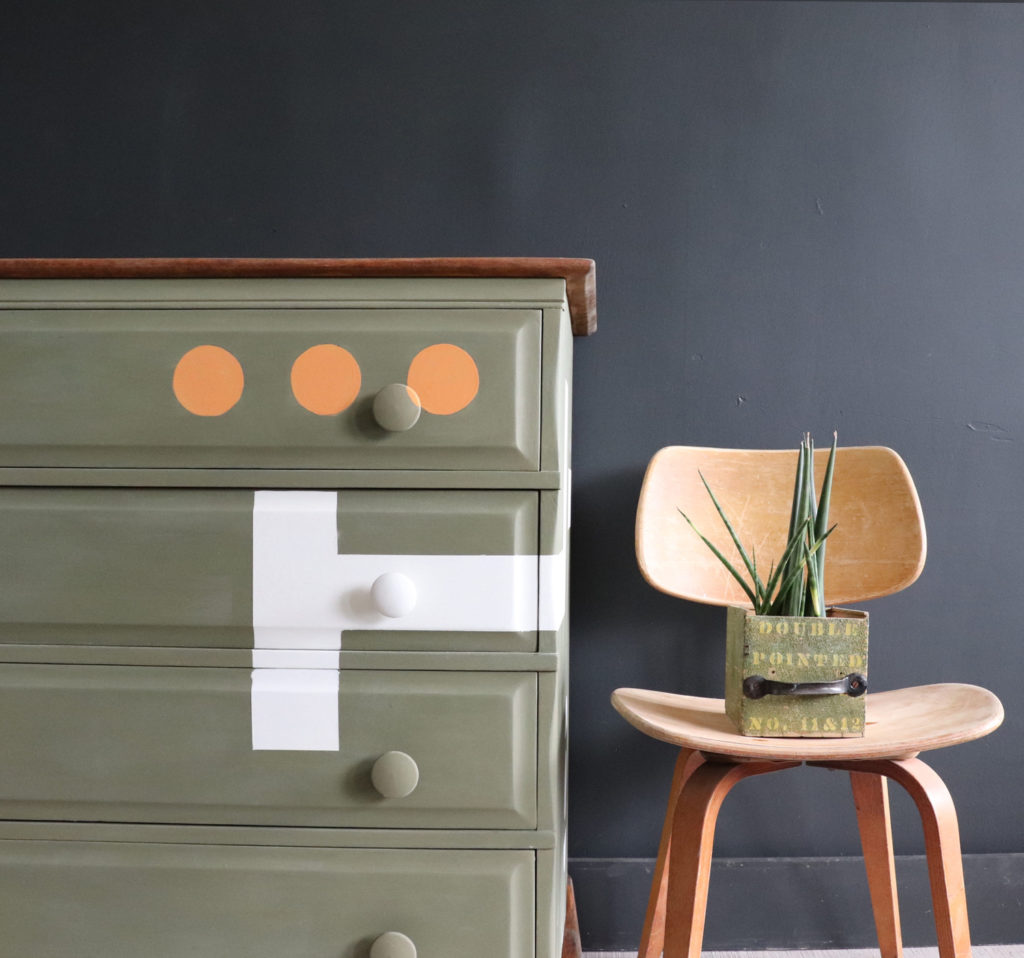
(900, 724)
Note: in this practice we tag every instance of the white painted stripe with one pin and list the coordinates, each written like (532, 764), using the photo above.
(305, 594)
(285, 637)
(567, 492)
(294, 539)
(295, 710)
(295, 659)
(554, 583)
(454, 593)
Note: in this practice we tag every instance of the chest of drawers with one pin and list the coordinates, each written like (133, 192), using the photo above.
(283, 631)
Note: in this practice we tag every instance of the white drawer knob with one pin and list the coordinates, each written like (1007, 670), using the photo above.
(395, 775)
(396, 407)
(393, 944)
(393, 594)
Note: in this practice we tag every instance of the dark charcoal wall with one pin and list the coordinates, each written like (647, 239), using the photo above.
(805, 216)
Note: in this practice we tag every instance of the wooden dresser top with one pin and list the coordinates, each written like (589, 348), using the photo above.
(579, 274)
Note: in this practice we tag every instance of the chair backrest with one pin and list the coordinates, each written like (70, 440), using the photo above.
(878, 546)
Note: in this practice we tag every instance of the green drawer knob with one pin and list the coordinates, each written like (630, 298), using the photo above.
(395, 775)
(393, 944)
(396, 408)
(393, 594)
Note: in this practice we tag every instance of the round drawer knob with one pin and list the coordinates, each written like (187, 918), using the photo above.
(393, 944)
(395, 775)
(393, 594)
(396, 408)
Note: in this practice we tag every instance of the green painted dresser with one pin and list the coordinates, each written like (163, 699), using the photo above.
(283, 614)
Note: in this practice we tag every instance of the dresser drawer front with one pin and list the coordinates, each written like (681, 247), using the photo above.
(180, 568)
(98, 900)
(268, 387)
(141, 744)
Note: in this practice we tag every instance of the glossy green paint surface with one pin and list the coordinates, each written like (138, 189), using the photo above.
(100, 900)
(101, 743)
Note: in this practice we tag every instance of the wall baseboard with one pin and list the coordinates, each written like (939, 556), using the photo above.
(797, 903)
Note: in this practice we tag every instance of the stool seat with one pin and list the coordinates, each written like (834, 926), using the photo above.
(900, 724)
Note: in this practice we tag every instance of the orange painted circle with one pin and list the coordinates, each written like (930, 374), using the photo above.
(208, 380)
(326, 379)
(445, 377)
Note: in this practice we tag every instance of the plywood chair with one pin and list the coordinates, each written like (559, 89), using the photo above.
(878, 548)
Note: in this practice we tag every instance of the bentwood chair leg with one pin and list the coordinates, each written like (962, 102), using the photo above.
(942, 846)
(652, 939)
(693, 834)
(871, 798)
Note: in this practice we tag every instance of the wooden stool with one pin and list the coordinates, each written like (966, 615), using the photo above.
(878, 548)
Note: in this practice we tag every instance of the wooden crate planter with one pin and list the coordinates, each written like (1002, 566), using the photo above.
(766, 655)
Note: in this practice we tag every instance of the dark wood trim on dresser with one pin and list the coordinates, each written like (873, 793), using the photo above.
(579, 274)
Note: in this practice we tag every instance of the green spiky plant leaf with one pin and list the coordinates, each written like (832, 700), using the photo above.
(796, 583)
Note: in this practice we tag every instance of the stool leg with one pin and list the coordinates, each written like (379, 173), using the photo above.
(871, 798)
(693, 834)
(941, 842)
(652, 939)
(942, 846)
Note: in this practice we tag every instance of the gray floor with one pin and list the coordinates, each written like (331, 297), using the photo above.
(978, 951)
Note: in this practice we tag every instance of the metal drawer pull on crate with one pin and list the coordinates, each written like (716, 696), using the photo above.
(756, 687)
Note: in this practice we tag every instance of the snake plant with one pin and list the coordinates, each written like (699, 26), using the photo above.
(796, 585)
